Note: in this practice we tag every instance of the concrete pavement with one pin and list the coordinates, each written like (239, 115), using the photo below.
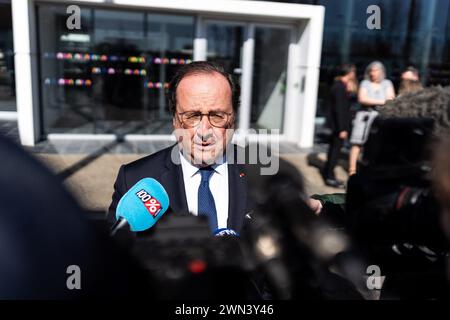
(93, 184)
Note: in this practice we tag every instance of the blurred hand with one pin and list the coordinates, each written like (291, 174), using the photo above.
(343, 135)
(315, 205)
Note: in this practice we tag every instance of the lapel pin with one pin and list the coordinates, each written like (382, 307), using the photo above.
(241, 175)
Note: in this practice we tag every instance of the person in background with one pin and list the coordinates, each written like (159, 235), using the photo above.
(352, 89)
(339, 120)
(410, 73)
(410, 81)
(373, 93)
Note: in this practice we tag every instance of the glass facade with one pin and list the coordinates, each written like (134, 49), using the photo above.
(413, 32)
(269, 77)
(224, 43)
(224, 46)
(111, 75)
(7, 80)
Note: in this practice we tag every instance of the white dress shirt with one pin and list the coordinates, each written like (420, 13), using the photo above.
(218, 184)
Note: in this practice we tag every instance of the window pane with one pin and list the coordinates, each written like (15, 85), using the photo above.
(269, 77)
(7, 83)
(111, 76)
(225, 45)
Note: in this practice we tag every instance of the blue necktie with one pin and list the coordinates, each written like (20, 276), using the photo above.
(206, 205)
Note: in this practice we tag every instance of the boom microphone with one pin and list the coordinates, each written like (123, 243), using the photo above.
(141, 206)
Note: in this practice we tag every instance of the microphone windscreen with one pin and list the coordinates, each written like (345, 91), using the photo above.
(143, 204)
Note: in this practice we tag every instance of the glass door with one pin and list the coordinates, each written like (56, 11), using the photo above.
(257, 55)
(224, 45)
(269, 76)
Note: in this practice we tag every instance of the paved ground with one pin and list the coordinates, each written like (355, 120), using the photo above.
(9, 129)
(92, 184)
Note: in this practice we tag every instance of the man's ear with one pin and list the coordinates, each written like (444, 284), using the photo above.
(232, 122)
(174, 121)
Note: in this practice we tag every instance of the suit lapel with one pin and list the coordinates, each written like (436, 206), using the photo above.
(173, 182)
(237, 196)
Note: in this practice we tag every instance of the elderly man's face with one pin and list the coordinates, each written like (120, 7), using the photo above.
(204, 93)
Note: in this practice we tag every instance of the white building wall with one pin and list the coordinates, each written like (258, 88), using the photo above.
(25, 64)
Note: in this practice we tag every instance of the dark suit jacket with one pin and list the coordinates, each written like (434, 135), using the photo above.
(339, 108)
(161, 167)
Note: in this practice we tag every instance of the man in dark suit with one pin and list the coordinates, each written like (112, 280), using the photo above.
(200, 172)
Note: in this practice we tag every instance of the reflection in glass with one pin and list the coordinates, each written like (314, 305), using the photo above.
(346, 39)
(111, 76)
(269, 77)
(7, 81)
(225, 45)
(412, 33)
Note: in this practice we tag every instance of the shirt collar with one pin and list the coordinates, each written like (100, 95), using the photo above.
(191, 170)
